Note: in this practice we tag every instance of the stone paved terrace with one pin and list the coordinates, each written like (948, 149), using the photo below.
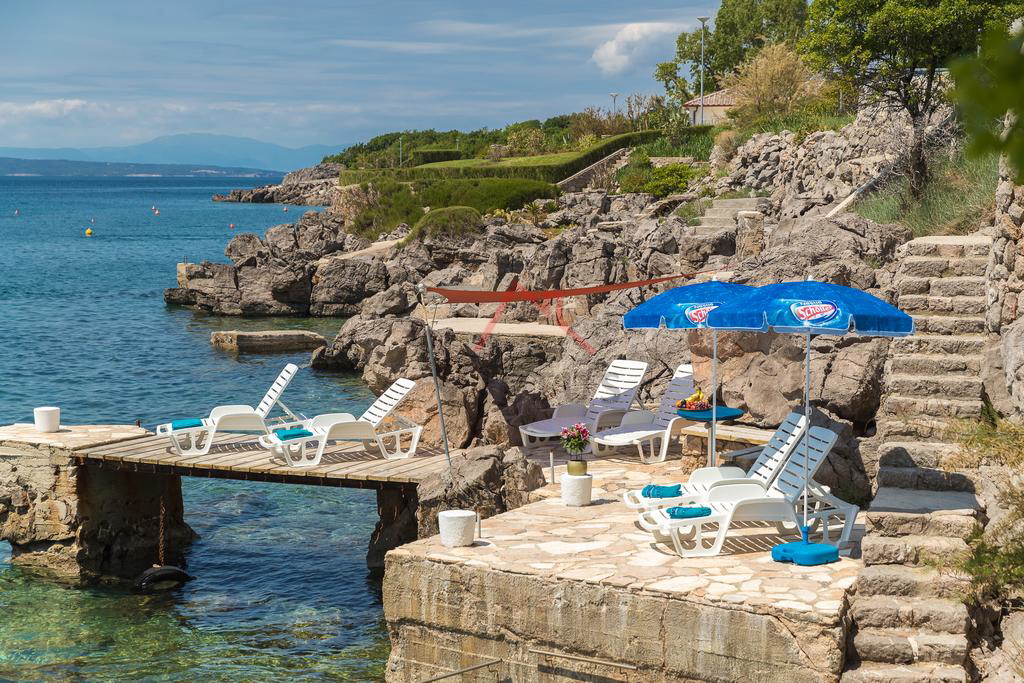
(600, 548)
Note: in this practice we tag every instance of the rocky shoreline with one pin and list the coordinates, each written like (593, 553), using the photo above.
(314, 186)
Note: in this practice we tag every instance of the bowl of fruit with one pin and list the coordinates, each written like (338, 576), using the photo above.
(698, 400)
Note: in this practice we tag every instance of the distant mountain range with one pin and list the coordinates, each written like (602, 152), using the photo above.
(61, 167)
(189, 149)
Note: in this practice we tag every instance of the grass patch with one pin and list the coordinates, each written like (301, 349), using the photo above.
(692, 212)
(991, 441)
(959, 196)
(451, 221)
(802, 123)
(485, 194)
(695, 141)
(547, 167)
(396, 204)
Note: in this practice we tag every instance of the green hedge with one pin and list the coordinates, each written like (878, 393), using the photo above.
(551, 173)
(451, 221)
(485, 194)
(427, 155)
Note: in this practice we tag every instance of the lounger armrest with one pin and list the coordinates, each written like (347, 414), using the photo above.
(223, 411)
(733, 481)
(708, 475)
(606, 419)
(736, 493)
(570, 410)
(637, 417)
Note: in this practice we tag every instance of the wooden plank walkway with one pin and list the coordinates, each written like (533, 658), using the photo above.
(238, 456)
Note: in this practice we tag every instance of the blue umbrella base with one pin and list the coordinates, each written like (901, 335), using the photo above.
(805, 554)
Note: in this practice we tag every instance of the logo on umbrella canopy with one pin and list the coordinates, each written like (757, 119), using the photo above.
(814, 311)
(698, 313)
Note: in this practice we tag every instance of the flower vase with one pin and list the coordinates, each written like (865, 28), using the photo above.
(576, 466)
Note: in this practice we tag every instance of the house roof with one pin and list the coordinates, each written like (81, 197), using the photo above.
(719, 98)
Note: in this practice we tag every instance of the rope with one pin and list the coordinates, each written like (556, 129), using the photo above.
(161, 546)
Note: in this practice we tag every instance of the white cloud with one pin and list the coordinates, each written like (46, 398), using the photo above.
(408, 46)
(631, 43)
(40, 109)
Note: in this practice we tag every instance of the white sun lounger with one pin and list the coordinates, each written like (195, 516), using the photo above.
(195, 437)
(774, 455)
(344, 427)
(736, 502)
(651, 431)
(612, 400)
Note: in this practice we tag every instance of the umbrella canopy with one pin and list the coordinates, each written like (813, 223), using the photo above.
(683, 308)
(687, 308)
(810, 307)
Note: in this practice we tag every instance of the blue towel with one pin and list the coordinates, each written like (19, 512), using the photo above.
(186, 424)
(285, 434)
(688, 512)
(656, 491)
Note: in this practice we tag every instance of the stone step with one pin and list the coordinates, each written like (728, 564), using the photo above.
(915, 453)
(897, 580)
(934, 364)
(934, 386)
(949, 246)
(949, 324)
(911, 550)
(941, 267)
(932, 615)
(707, 230)
(938, 343)
(889, 499)
(923, 479)
(905, 673)
(917, 406)
(739, 204)
(957, 285)
(907, 647)
(926, 304)
(723, 213)
(912, 428)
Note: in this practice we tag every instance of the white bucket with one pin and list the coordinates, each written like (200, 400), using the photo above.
(47, 419)
(576, 489)
(458, 527)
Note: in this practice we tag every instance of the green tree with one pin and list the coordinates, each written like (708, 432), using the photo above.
(990, 93)
(741, 28)
(895, 50)
(676, 87)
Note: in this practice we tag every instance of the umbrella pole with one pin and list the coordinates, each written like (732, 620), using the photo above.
(807, 414)
(714, 398)
(420, 289)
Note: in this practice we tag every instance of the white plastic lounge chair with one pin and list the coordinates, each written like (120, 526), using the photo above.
(774, 455)
(736, 502)
(612, 400)
(292, 442)
(825, 507)
(651, 431)
(195, 437)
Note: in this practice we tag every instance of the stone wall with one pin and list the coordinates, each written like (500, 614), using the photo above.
(81, 523)
(442, 616)
(581, 180)
(1005, 362)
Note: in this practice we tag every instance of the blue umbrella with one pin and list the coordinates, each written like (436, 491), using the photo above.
(687, 308)
(809, 308)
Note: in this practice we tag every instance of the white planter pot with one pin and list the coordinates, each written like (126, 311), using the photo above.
(576, 489)
(47, 419)
(458, 527)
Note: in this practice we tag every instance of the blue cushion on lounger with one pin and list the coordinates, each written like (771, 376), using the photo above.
(186, 424)
(285, 434)
(688, 512)
(656, 491)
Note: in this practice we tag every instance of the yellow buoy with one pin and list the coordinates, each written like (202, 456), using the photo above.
(88, 232)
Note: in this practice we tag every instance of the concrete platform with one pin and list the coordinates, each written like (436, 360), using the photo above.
(587, 582)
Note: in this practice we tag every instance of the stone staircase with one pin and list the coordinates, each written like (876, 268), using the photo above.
(721, 215)
(908, 622)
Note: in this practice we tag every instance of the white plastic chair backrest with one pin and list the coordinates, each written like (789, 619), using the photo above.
(790, 482)
(273, 394)
(778, 449)
(387, 401)
(678, 389)
(617, 388)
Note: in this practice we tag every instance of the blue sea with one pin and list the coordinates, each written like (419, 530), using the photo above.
(282, 590)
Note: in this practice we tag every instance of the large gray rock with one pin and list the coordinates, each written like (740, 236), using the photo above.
(1013, 363)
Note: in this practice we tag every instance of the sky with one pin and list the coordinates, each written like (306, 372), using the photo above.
(297, 72)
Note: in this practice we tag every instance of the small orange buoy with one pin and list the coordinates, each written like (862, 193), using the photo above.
(88, 232)
(232, 226)
(286, 209)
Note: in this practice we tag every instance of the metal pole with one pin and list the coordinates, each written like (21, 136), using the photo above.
(807, 414)
(420, 291)
(714, 397)
(703, 26)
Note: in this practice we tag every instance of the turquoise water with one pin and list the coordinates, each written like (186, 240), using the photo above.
(282, 589)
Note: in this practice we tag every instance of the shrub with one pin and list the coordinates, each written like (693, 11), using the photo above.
(485, 194)
(669, 179)
(450, 221)
(427, 155)
(526, 141)
(776, 81)
(395, 204)
(728, 141)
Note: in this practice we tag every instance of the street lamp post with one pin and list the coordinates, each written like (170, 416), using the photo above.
(703, 27)
(615, 97)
